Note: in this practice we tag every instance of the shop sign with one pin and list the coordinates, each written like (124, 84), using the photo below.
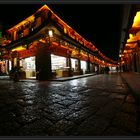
(75, 54)
(27, 53)
(59, 51)
(84, 57)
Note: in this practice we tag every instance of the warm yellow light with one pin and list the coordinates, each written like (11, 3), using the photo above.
(65, 30)
(50, 33)
(19, 49)
(136, 22)
(60, 22)
(41, 40)
(132, 39)
(125, 51)
(28, 20)
(130, 35)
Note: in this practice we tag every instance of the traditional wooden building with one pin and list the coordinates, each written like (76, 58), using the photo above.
(43, 44)
(130, 58)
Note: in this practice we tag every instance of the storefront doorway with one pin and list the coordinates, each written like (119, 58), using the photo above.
(58, 64)
(28, 65)
(83, 66)
(5, 67)
(74, 64)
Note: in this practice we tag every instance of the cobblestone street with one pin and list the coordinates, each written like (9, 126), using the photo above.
(99, 105)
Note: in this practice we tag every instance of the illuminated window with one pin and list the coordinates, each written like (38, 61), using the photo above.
(65, 30)
(50, 33)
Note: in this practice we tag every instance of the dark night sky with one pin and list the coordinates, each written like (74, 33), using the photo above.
(97, 23)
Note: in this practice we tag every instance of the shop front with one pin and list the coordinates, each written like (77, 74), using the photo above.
(5, 67)
(75, 66)
(83, 66)
(45, 44)
(59, 66)
(28, 66)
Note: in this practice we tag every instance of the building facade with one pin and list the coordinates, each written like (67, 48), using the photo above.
(45, 46)
(130, 57)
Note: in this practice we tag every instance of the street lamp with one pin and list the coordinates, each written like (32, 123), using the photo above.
(120, 55)
(50, 33)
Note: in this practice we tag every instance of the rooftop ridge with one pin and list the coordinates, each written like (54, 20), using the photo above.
(63, 23)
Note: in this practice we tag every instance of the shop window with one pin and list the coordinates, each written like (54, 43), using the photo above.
(30, 63)
(83, 66)
(28, 66)
(58, 62)
(74, 64)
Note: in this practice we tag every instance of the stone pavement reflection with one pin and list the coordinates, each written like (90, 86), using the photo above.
(99, 105)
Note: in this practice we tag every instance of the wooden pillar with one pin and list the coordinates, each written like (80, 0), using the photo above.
(135, 64)
(14, 59)
(12, 63)
(43, 63)
(88, 64)
(7, 66)
(79, 63)
(99, 69)
(68, 63)
(93, 68)
(79, 66)
(18, 62)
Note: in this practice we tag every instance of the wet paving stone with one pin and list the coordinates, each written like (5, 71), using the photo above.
(117, 96)
(125, 122)
(36, 128)
(113, 131)
(62, 128)
(129, 108)
(9, 128)
(108, 111)
(104, 93)
(90, 106)
(93, 126)
(130, 99)
(79, 116)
